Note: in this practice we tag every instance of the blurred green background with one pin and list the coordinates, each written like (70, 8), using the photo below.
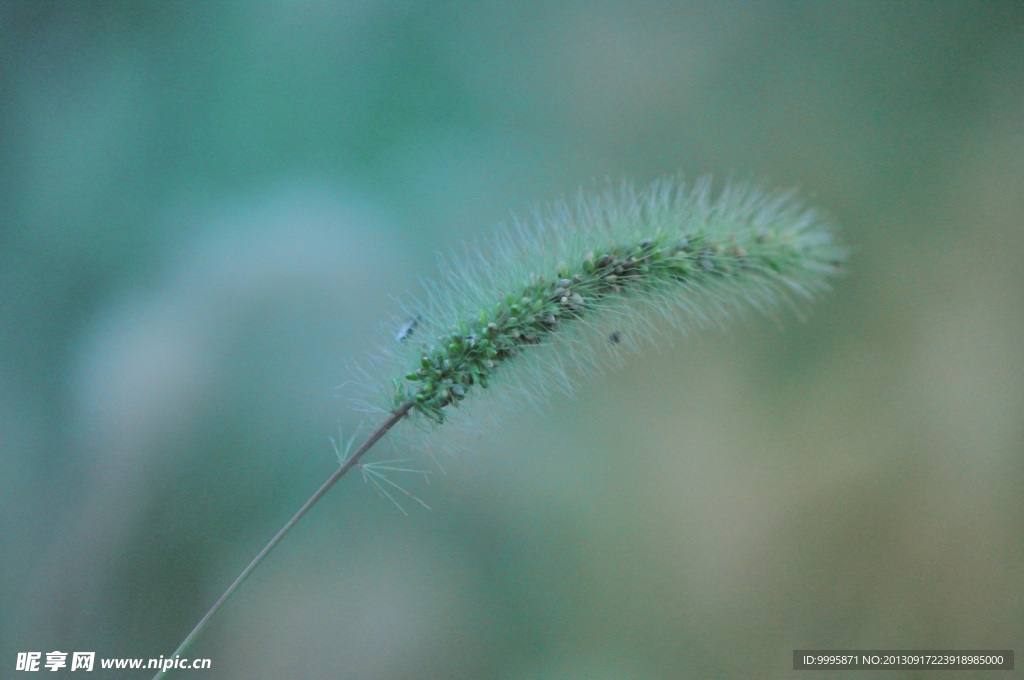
(206, 210)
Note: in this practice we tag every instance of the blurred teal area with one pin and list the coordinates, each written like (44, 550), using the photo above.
(207, 211)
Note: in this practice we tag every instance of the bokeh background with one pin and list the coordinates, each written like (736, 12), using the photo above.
(206, 210)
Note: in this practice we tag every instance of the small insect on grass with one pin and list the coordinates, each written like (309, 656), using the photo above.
(408, 328)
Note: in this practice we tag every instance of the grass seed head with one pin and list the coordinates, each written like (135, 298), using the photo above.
(543, 294)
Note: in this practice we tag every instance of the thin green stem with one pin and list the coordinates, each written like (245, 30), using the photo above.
(348, 464)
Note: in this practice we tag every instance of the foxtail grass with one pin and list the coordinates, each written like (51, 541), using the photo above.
(551, 294)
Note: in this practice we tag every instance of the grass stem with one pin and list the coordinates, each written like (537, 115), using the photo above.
(348, 464)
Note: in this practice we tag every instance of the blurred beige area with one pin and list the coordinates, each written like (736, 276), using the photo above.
(209, 212)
